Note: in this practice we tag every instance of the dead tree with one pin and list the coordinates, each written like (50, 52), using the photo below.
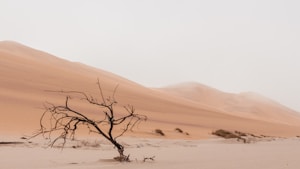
(64, 120)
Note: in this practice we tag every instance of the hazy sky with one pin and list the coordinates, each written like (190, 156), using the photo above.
(231, 45)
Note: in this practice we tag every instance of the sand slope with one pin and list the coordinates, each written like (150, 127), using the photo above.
(26, 73)
(247, 104)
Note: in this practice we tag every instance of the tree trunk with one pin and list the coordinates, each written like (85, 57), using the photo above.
(121, 157)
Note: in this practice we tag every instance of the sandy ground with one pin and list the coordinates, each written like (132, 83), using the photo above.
(206, 154)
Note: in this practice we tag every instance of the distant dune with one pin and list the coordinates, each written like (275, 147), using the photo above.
(247, 104)
(26, 73)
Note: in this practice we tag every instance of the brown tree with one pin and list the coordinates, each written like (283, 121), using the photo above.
(62, 121)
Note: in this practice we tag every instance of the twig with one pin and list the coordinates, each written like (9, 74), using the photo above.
(149, 158)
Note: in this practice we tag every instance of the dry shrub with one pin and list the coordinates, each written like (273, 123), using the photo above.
(225, 134)
(240, 136)
(228, 135)
(160, 132)
(179, 130)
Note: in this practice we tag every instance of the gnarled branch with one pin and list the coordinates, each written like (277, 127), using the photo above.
(65, 120)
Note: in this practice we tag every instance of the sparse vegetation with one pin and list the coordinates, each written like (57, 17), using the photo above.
(179, 130)
(160, 132)
(225, 134)
(62, 121)
(245, 137)
(229, 135)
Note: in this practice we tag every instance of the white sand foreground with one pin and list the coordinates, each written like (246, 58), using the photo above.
(204, 154)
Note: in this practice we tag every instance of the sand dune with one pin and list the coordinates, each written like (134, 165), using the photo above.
(247, 104)
(26, 73)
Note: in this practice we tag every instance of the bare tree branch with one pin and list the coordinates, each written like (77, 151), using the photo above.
(64, 121)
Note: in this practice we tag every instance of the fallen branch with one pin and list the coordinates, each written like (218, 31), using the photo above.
(148, 158)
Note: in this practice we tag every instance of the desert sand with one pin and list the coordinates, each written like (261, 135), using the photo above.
(27, 74)
(208, 154)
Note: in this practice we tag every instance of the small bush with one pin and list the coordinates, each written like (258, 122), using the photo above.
(225, 134)
(179, 130)
(228, 135)
(160, 132)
